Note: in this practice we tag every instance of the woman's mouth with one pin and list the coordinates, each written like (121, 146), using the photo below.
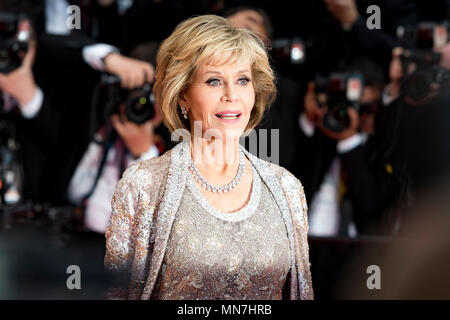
(229, 117)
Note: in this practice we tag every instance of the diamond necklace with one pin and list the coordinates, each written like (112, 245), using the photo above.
(219, 189)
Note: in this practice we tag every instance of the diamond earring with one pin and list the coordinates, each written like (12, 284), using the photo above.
(184, 112)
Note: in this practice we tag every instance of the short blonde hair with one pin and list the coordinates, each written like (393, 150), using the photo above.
(212, 39)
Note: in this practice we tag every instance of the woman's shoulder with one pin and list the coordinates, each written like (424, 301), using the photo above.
(291, 187)
(288, 181)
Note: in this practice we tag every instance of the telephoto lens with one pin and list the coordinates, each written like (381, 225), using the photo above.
(108, 98)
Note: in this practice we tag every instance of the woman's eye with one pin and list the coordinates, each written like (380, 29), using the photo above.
(213, 82)
(244, 81)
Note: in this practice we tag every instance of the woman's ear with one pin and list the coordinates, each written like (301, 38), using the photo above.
(182, 101)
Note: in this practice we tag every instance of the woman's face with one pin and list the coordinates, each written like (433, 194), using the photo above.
(221, 97)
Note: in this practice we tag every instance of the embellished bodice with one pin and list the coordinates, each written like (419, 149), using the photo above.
(217, 255)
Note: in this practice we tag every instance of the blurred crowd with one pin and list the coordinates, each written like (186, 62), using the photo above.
(361, 115)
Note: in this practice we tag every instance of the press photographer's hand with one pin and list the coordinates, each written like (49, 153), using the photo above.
(20, 83)
(133, 73)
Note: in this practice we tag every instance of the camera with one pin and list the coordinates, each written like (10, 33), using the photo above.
(338, 92)
(139, 102)
(293, 50)
(420, 62)
(13, 41)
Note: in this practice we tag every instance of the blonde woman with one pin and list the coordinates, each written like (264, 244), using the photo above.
(208, 220)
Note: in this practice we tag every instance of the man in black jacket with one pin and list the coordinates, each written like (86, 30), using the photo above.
(409, 153)
(27, 111)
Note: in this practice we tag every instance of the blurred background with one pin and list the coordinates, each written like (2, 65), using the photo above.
(362, 115)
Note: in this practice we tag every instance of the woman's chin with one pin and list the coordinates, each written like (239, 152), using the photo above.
(232, 133)
(223, 132)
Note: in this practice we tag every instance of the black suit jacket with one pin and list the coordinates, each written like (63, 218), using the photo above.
(378, 43)
(37, 138)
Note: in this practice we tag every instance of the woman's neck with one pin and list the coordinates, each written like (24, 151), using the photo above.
(219, 157)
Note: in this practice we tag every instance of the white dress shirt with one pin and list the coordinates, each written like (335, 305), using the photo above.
(98, 206)
(324, 217)
(28, 110)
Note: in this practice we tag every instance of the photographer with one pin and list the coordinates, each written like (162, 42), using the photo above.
(70, 62)
(29, 122)
(326, 145)
(117, 144)
(410, 151)
(412, 147)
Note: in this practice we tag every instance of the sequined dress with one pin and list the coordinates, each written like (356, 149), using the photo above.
(216, 255)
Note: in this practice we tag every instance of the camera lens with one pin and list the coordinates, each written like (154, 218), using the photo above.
(139, 105)
(336, 119)
(417, 85)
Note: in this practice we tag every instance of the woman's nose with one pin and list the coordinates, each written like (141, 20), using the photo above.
(230, 94)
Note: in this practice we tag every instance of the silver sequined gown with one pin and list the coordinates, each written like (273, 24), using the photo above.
(216, 255)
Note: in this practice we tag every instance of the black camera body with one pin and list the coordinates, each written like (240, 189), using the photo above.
(420, 62)
(13, 41)
(339, 91)
(139, 102)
